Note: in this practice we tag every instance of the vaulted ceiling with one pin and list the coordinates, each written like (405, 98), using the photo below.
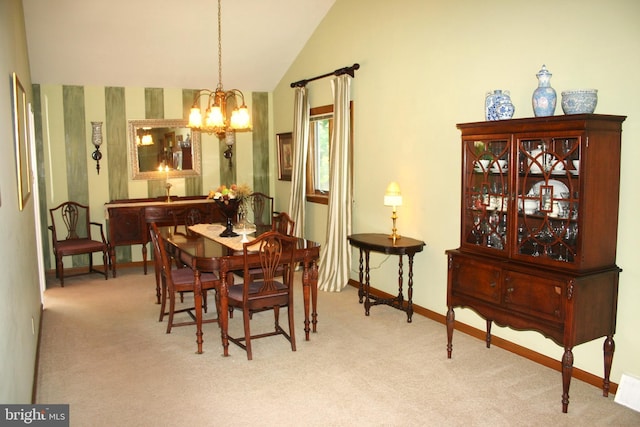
(167, 43)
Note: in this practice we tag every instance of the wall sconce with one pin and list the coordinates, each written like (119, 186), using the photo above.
(229, 140)
(393, 197)
(96, 139)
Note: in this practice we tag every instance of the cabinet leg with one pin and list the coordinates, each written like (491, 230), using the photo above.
(567, 370)
(487, 338)
(144, 258)
(112, 253)
(451, 319)
(361, 279)
(609, 348)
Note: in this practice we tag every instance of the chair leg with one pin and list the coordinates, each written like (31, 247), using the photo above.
(158, 292)
(247, 333)
(105, 263)
(217, 298)
(276, 316)
(292, 333)
(172, 306)
(163, 302)
(60, 270)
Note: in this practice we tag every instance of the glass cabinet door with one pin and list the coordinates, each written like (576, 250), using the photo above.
(485, 221)
(547, 198)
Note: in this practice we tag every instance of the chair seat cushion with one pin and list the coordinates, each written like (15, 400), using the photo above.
(79, 246)
(235, 291)
(184, 276)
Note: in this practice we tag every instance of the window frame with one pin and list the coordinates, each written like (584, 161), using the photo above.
(313, 194)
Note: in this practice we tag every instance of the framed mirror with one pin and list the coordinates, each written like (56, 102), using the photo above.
(163, 148)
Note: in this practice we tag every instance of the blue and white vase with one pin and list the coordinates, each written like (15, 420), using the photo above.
(498, 106)
(544, 97)
(505, 108)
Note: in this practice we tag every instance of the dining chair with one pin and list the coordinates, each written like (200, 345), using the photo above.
(176, 280)
(71, 231)
(261, 206)
(191, 216)
(269, 251)
(283, 223)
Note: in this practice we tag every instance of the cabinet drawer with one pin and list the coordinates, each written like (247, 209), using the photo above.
(536, 296)
(476, 279)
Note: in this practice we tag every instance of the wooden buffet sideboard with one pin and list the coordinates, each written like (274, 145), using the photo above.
(128, 220)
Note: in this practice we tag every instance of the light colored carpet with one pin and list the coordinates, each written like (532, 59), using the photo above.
(104, 352)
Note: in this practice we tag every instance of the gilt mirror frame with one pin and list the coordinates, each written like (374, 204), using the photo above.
(170, 125)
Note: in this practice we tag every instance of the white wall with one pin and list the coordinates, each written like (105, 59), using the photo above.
(425, 66)
(19, 286)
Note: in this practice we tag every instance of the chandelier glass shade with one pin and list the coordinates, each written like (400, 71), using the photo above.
(216, 118)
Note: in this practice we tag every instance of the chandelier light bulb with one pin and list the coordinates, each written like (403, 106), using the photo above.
(195, 118)
(240, 118)
(214, 117)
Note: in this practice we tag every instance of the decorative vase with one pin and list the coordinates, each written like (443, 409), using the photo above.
(229, 207)
(498, 105)
(544, 97)
(504, 107)
(490, 101)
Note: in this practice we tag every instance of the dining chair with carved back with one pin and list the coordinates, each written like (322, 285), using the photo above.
(187, 217)
(71, 227)
(269, 252)
(176, 280)
(261, 209)
(283, 223)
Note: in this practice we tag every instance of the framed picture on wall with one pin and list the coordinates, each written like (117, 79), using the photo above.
(285, 155)
(21, 139)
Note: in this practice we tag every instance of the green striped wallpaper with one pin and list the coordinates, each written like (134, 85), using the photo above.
(82, 183)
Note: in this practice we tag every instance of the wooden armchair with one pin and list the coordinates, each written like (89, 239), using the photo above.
(269, 252)
(71, 232)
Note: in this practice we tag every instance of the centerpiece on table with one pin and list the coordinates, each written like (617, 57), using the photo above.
(231, 201)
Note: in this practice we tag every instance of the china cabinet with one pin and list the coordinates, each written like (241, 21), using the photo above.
(538, 232)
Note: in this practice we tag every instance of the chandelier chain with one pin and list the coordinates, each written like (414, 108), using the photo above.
(219, 45)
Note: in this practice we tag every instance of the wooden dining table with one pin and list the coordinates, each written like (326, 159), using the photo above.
(208, 252)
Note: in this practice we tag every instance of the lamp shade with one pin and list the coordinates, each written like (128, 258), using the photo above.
(393, 197)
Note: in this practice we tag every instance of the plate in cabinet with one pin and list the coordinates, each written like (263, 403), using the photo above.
(558, 188)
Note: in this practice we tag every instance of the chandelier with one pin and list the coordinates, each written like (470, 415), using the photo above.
(216, 120)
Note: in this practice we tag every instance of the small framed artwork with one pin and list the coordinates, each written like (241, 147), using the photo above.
(285, 155)
(21, 138)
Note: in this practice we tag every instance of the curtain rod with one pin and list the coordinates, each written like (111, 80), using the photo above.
(346, 70)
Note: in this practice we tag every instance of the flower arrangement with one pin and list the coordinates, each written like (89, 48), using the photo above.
(234, 191)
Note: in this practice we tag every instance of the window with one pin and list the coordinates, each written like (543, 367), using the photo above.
(318, 166)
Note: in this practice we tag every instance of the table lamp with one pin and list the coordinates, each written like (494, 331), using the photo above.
(392, 197)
